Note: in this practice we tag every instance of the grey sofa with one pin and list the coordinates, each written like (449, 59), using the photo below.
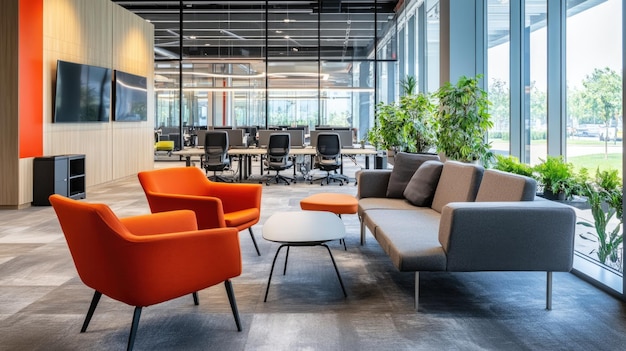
(479, 220)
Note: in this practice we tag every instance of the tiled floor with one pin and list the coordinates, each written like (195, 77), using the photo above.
(42, 301)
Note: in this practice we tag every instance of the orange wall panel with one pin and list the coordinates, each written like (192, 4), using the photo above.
(30, 88)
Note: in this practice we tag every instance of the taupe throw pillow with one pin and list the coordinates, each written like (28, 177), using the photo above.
(404, 167)
(421, 188)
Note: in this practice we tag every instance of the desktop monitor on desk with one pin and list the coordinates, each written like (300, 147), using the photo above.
(345, 137)
(297, 137)
(235, 138)
(201, 136)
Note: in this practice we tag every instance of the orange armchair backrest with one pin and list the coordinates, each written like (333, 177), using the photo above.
(176, 180)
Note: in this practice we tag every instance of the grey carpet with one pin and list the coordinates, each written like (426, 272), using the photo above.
(43, 303)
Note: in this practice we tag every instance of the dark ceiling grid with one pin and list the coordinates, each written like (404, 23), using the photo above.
(237, 28)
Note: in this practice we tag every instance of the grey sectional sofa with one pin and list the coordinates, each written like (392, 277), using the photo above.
(474, 220)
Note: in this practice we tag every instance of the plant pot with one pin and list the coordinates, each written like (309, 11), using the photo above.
(380, 161)
(390, 156)
(549, 195)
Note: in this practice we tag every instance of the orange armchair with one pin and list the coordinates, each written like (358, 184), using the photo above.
(148, 259)
(217, 205)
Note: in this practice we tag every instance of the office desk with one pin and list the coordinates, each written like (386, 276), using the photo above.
(245, 156)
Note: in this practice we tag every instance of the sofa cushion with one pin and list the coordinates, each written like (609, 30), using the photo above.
(405, 165)
(458, 183)
(409, 237)
(503, 186)
(421, 188)
(382, 203)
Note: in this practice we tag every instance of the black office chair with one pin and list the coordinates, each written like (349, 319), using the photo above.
(216, 154)
(277, 158)
(328, 158)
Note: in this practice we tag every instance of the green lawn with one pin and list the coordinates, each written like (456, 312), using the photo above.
(592, 162)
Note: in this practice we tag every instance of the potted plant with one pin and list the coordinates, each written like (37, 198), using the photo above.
(406, 125)
(557, 177)
(513, 165)
(605, 199)
(463, 121)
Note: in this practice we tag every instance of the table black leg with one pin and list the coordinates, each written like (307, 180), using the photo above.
(341, 166)
(272, 270)
(241, 170)
(336, 270)
(286, 258)
(367, 161)
(188, 161)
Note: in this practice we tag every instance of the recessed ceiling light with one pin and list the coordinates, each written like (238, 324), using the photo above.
(286, 37)
(279, 31)
(192, 37)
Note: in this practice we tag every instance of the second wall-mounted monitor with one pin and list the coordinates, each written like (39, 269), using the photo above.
(130, 97)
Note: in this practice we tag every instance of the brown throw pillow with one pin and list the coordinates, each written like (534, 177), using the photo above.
(405, 165)
(421, 188)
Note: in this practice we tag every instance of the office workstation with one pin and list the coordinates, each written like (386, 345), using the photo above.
(246, 155)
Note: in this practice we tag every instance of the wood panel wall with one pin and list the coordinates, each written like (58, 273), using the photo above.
(97, 32)
(9, 151)
(133, 45)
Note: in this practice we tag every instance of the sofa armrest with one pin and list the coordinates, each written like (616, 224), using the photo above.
(372, 183)
(508, 236)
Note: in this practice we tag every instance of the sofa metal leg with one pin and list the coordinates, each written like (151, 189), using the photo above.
(549, 291)
(417, 289)
(362, 232)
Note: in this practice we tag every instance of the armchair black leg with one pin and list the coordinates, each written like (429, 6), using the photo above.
(233, 303)
(94, 302)
(254, 241)
(133, 328)
(195, 298)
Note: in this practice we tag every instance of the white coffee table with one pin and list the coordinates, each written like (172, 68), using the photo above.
(303, 228)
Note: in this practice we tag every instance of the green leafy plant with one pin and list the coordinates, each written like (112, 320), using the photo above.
(463, 121)
(605, 199)
(406, 125)
(513, 165)
(556, 176)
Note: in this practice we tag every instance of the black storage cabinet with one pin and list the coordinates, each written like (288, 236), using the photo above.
(61, 174)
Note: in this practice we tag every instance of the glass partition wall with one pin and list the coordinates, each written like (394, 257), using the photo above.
(271, 63)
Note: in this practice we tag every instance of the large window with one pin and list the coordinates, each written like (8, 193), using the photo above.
(534, 61)
(432, 44)
(498, 72)
(594, 114)
(585, 39)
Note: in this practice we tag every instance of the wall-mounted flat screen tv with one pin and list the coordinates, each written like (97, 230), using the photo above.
(83, 93)
(130, 97)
